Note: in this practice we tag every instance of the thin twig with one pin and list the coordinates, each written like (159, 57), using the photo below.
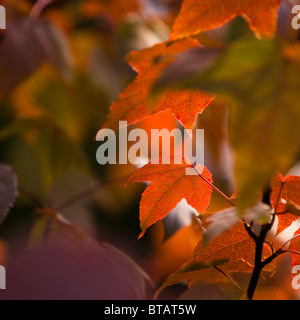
(287, 242)
(31, 197)
(291, 251)
(89, 192)
(270, 245)
(227, 276)
(250, 231)
(276, 254)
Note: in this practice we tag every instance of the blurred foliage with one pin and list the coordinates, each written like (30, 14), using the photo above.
(61, 67)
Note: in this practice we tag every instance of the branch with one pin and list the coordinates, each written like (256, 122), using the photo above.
(258, 263)
(287, 242)
(31, 197)
(270, 245)
(280, 251)
(250, 231)
(88, 192)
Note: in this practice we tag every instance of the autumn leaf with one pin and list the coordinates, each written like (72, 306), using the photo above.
(287, 189)
(293, 208)
(169, 185)
(264, 109)
(199, 16)
(234, 244)
(295, 246)
(196, 272)
(162, 52)
(170, 254)
(133, 104)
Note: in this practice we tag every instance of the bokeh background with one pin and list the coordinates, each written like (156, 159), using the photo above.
(61, 66)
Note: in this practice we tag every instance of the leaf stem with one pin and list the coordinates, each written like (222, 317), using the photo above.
(227, 276)
(88, 192)
(295, 237)
(31, 197)
(214, 187)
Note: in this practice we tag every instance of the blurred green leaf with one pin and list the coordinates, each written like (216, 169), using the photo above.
(54, 149)
(261, 80)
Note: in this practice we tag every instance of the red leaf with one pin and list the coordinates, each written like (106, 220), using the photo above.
(234, 244)
(169, 185)
(295, 246)
(288, 189)
(133, 104)
(199, 16)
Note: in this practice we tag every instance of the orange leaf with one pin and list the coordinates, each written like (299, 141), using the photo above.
(209, 274)
(197, 16)
(165, 51)
(295, 246)
(133, 104)
(289, 189)
(234, 244)
(169, 185)
(169, 255)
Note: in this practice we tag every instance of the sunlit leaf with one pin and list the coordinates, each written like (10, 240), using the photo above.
(134, 104)
(197, 16)
(285, 190)
(169, 185)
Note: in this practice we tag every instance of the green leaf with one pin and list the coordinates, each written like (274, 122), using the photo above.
(54, 149)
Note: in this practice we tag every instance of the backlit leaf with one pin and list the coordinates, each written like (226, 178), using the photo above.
(169, 185)
(234, 244)
(287, 189)
(197, 16)
(295, 246)
(133, 104)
